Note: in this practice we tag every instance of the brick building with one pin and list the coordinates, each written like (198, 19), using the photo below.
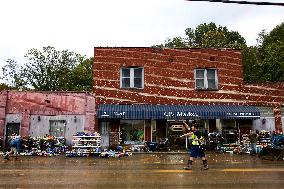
(41, 113)
(144, 93)
(151, 89)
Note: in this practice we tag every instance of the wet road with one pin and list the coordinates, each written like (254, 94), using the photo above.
(141, 171)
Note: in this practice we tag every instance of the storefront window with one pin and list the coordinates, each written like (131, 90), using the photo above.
(132, 130)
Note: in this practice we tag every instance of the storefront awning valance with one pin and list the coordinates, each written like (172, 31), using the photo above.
(177, 112)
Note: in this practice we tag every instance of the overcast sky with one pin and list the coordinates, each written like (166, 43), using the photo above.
(79, 25)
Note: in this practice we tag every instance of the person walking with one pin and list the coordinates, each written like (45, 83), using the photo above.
(253, 137)
(195, 150)
(15, 145)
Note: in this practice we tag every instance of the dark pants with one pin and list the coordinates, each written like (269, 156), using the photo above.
(253, 148)
(196, 151)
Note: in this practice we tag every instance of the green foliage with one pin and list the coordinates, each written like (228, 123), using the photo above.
(208, 36)
(271, 49)
(82, 76)
(176, 42)
(252, 65)
(12, 75)
(276, 35)
(273, 62)
(4, 86)
(50, 70)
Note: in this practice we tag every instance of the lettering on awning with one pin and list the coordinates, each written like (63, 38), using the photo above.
(180, 114)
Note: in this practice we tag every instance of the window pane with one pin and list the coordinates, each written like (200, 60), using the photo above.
(125, 82)
(57, 128)
(138, 72)
(138, 82)
(212, 84)
(125, 72)
(132, 130)
(211, 74)
(200, 83)
(138, 130)
(199, 73)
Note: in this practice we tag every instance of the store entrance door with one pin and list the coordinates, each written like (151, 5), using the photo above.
(10, 129)
(175, 130)
(105, 131)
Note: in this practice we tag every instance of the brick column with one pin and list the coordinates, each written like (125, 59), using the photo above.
(277, 116)
(96, 123)
(3, 104)
(25, 123)
(90, 112)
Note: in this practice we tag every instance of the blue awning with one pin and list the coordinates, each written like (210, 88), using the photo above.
(177, 112)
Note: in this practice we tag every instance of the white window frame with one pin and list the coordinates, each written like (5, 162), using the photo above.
(132, 76)
(205, 79)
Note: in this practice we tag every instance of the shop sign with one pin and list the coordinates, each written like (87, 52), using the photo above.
(241, 114)
(180, 114)
(119, 113)
(105, 114)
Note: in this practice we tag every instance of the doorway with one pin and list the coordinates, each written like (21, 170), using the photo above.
(104, 130)
(10, 129)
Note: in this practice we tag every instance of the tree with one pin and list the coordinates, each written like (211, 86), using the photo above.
(273, 62)
(82, 76)
(252, 65)
(4, 86)
(271, 49)
(207, 36)
(176, 42)
(12, 75)
(51, 70)
(276, 35)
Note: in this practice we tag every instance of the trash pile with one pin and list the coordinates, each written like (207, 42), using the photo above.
(82, 152)
(114, 154)
(43, 146)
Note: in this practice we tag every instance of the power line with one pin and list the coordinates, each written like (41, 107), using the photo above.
(242, 2)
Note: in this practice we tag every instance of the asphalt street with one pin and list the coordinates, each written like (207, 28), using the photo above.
(141, 171)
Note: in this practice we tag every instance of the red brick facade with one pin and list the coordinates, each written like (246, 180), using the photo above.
(169, 78)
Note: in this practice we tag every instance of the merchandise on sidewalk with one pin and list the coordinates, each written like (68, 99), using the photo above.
(43, 145)
(85, 144)
(264, 139)
(115, 154)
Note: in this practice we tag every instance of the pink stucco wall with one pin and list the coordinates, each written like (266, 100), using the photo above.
(3, 97)
(27, 103)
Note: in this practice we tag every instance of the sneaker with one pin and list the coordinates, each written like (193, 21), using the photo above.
(187, 168)
(205, 167)
(6, 157)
